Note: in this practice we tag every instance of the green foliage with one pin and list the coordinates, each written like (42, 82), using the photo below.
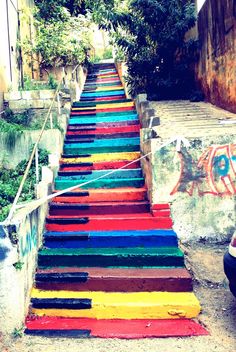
(18, 333)
(54, 10)
(52, 83)
(17, 118)
(151, 34)
(10, 181)
(61, 39)
(18, 265)
(30, 84)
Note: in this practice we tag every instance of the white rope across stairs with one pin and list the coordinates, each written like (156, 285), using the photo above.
(178, 139)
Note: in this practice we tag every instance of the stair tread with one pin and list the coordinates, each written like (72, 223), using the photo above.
(115, 328)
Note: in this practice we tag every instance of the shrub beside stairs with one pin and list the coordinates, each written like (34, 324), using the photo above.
(110, 266)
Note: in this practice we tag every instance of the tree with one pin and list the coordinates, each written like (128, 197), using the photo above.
(59, 42)
(152, 35)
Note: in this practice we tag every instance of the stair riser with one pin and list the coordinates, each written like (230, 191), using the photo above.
(102, 183)
(103, 94)
(99, 210)
(104, 197)
(103, 131)
(113, 225)
(132, 119)
(91, 138)
(95, 149)
(114, 97)
(101, 102)
(100, 110)
(121, 285)
(90, 175)
(84, 127)
(120, 242)
(98, 166)
(110, 261)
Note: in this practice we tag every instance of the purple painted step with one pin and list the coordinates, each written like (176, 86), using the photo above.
(100, 208)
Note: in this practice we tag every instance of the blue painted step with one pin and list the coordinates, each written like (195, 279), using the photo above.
(99, 239)
(91, 120)
(103, 94)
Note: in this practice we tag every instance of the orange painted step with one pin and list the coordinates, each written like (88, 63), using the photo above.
(127, 194)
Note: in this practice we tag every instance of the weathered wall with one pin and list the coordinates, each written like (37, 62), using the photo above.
(52, 141)
(216, 69)
(19, 245)
(199, 181)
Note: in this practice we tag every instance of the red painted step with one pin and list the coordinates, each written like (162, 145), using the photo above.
(105, 130)
(119, 280)
(117, 328)
(127, 194)
(100, 208)
(143, 221)
(79, 127)
(98, 166)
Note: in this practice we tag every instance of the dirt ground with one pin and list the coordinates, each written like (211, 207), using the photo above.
(218, 316)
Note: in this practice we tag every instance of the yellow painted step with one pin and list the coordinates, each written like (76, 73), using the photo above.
(95, 158)
(135, 305)
(106, 106)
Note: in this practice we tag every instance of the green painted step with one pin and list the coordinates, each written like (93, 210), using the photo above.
(112, 257)
(102, 183)
(91, 175)
(103, 145)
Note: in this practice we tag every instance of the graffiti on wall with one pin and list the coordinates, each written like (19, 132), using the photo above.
(28, 242)
(214, 173)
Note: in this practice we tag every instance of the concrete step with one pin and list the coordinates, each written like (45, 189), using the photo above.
(143, 221)
(111, 257)
(104, 146)
(128, 194)
(110, 239)
(114, 280)
(106, 305)
(112, 328)
(100, 208)
(69, 167)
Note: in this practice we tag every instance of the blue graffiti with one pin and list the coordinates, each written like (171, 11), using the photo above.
(29, 242)
(221, 165)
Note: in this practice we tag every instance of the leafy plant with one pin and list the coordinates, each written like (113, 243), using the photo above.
(10, 181)
(17, 333)
(61, 40)
(52, 83)
(151, 34)
(18, 265)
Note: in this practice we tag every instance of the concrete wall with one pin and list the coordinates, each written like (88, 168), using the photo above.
(216, 69)
(199, 182)
(52, 141)
(15, 24)
(19, 243)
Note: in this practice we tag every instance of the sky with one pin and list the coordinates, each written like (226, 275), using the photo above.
(200, 3)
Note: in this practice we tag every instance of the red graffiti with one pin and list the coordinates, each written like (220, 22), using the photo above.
(214, 173)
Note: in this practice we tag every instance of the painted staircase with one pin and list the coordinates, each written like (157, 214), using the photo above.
(110, 265)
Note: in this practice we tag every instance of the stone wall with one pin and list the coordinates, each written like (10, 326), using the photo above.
(215, 71)
(31, 99)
